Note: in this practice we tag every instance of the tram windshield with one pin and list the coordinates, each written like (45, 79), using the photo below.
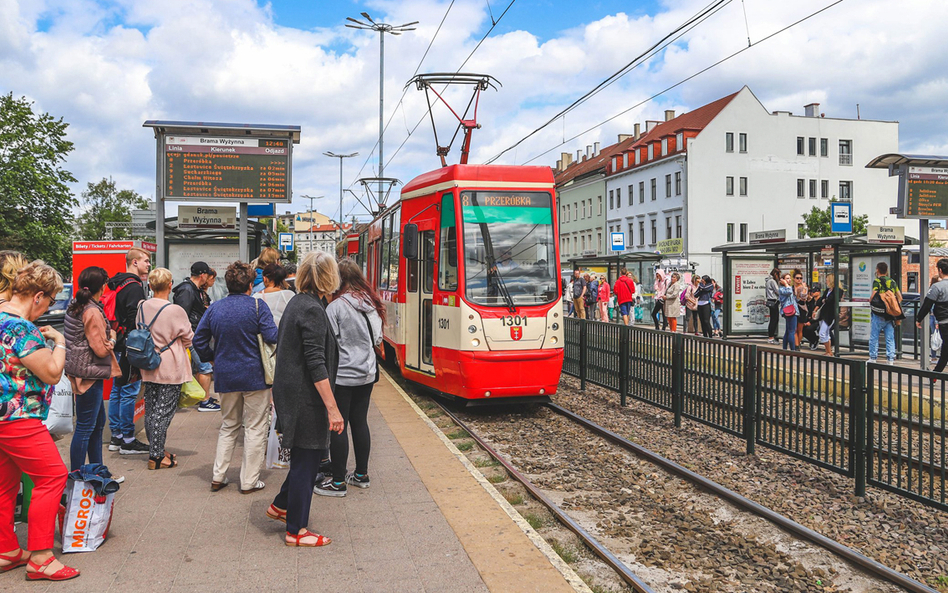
(509, 255)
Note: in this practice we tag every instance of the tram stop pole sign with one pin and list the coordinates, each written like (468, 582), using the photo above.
(219, 162)
(618, 241)
(841, 217)
(286, 241)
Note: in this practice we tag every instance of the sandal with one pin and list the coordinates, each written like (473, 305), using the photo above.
(293, 540)
(159, 463)
(15, 562)
(217, 486)
(273, 513)
(63, 574)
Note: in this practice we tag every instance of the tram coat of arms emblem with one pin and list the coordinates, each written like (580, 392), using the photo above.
(516, 332)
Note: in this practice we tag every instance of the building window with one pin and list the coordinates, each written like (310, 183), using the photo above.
(800, 145)
(846, 191)
(743, 232)
(812, 144)
(668, 227)
(641, 192)
(678, 183)
(618, 197)
(846, 152)
(638, 157)
(599, 240)
(679, 141)
(651, 151)
(729, 186)
(575, 211)
(654, 233)
(824, 146)
(729, 142)
(800, 231)
(584, 242)
(611, 200)
(654, 189)
(824, 189)
(631, 234)
(599, 202)
(615, 163)
(664, 146)
(678, 227)
(631, 193)
(668, 186)
(641, 232)
(813, 189)
(743, 186)
(730, 232)
(801, 187)
(625, 160)
(743, 142)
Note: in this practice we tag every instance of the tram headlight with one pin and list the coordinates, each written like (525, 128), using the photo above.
(553, 340)
(472, 329)
(475, 342)
(555, 326)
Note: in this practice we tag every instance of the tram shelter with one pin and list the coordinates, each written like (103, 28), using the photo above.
(851, 259)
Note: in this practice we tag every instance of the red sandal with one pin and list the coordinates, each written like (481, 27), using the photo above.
(274, 513)
(63, 574)
(321, 540)
(15, 562)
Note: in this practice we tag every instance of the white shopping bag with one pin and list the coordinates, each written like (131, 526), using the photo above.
(85, 522)
(936, 340)
(59, 419)
(277, 456)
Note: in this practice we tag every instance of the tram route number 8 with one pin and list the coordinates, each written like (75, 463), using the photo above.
(512, 320)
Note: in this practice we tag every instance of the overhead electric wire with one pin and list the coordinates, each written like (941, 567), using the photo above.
(684, 80)
(679, 31)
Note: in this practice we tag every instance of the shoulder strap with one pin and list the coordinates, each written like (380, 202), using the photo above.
(368, 323)
(163, 307)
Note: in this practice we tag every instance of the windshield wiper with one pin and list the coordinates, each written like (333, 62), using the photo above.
(501, 285)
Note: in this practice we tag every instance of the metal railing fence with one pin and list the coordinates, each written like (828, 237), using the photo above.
(878, 424)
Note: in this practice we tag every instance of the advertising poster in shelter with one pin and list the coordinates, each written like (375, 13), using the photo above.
(748, 285)
(216, 255)
(864, 272)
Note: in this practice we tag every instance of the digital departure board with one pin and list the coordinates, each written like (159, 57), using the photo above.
(227, 169)
(926, 192)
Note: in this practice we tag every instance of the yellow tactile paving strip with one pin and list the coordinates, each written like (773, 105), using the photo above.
(503, 547)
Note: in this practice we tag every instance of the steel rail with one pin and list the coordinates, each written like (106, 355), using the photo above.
(608, 557)
(746, 504)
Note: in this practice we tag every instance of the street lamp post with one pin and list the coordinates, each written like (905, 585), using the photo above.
(382, 28)
(340, 157)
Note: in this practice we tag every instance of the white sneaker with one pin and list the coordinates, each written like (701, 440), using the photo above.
(118, 479)
(873, 361)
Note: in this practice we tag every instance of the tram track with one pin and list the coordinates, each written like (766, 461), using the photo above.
(796, 579)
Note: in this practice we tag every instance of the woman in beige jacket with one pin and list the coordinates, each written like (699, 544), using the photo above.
(672, 302)
(171, 333)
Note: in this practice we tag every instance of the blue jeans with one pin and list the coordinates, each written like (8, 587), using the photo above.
(878, 325)
(715, 313)
(790, 335)
(90, 420)
(122, 406)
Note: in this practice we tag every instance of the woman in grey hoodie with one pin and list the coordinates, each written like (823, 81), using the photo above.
(356, 314)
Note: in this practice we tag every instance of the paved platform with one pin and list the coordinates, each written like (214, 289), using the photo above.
(426, 524)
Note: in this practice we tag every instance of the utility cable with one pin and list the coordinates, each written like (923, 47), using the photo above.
(684, 80)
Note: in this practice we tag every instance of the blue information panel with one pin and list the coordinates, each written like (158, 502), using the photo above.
(841, 217)
(618, 241)
(286, 241)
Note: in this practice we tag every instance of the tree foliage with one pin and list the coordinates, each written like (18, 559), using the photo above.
(816, 223)
(35, 200)
(103, 203)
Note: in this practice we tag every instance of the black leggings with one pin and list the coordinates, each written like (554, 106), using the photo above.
(774, 320)
(659, 308)
(704, 312)
(296, 494)
(943, 357)
(353, 403)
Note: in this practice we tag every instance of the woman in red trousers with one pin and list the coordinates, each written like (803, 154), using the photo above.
(27, 370)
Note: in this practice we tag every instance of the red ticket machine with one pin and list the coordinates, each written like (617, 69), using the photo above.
(111, 256)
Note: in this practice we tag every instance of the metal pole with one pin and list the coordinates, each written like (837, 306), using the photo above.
(381, 111)
(923, 252)
(311, 223)
(242, 253)
(159, 205)
(340, 198)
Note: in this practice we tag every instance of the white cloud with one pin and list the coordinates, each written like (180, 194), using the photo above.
(107, 66)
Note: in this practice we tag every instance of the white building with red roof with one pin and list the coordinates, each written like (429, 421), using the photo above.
(715, 174)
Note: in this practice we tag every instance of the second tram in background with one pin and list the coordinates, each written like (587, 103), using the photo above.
(467, 264)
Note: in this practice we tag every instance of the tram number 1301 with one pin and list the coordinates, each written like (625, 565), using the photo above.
(513, 320)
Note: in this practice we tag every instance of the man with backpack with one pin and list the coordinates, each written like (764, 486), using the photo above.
(885, 304)
(188, 295)
(127, 290)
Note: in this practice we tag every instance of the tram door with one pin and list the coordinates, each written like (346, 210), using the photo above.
(419, 305)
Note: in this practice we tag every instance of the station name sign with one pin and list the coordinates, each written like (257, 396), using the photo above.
(227, 169)
(885, 234)
(207, 217)
(758, 237)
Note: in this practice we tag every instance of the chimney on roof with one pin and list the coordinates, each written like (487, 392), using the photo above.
(567, 159)
(650, 125)
(579, 156)
(559, 166)
(589, 151)
(812, 110)
(595, 149)
(638, 131)
(669, 114)
(624, 137)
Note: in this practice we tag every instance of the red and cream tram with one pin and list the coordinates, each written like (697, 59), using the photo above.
(467, 264)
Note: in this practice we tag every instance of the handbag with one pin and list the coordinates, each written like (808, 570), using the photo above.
(191, 394)
(86, 518)
(267, 351)
(789, 310)
(59, 418)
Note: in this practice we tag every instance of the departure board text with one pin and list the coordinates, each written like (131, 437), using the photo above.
(926, 192)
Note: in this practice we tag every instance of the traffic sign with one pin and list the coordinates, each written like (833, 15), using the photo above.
(841, 217)
(618, 241)
(286, 241)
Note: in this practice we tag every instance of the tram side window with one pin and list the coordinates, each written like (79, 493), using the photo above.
(383, 260)
(393, 252)
(448, 260)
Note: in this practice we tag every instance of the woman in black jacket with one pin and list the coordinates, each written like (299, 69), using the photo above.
(827, 314)
(303, 387)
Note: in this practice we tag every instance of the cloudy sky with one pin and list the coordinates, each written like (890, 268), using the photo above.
(106, 66)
